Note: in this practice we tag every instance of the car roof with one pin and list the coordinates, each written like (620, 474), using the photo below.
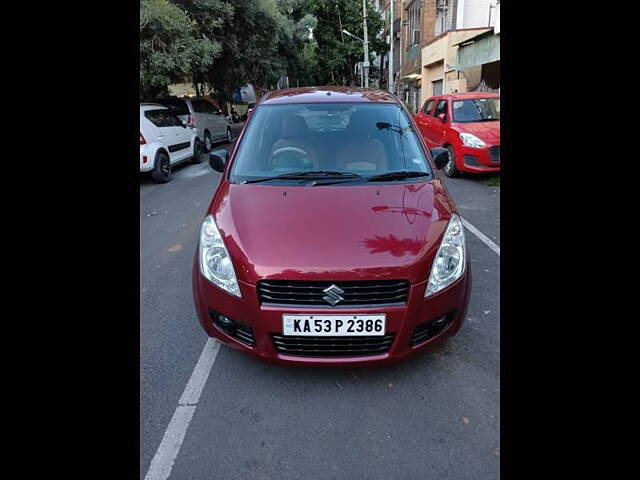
(467, 95)
(152, 106)
(327, 95)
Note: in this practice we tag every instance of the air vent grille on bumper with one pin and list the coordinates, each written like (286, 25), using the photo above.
(494, 154)
(332, 346)
(237, 330)
(353, 293)
(427, 330)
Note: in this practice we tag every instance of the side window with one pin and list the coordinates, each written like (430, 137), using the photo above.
(162, 118)
(441, 108)
(172, 120)
(176, 105)
(208, 108)
(197, 106)
(427, 107)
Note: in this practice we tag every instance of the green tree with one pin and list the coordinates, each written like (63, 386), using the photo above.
(209, 18)
(338, 53)
(254, 36)
(170, 47)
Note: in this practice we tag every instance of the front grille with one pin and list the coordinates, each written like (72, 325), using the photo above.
(355, 293)
(430, 329)
(332, 346)
(494, 154)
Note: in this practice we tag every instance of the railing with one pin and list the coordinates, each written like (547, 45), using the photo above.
(483, 87)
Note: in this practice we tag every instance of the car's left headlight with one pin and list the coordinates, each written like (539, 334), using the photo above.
(471, 140)
(215, 262)
(449, 262)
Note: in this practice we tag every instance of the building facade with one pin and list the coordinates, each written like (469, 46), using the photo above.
(440, 46)
(466, 55)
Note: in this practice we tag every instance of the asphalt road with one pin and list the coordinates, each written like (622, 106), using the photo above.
(436, 416)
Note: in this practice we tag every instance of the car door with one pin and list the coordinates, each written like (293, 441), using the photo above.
(177, 137)
(202, 121)
(182, 147)
(222, 123)
(218, 120)
(423, 120)
(438, 129)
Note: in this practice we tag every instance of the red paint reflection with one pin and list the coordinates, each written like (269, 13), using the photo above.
(395, 246)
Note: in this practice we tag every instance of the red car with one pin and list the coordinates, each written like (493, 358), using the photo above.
(331, 239)
(466, 124)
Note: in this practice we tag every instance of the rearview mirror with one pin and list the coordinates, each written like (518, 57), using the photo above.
(218, 159)
(440, 157)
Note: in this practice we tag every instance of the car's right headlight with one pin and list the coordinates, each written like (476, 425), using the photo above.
(215, 262)
(449, 262)
(470, 140)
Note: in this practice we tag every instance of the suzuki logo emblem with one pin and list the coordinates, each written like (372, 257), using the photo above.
(333, 294)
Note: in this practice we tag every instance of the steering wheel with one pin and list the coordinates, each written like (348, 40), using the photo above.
(290, 157)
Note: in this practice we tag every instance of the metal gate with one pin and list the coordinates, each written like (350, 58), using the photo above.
(436, 87)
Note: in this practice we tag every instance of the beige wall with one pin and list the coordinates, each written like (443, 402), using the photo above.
(440, 56)
(430, 74)
(473, 75)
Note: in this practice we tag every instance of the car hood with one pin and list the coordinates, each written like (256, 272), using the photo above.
(332, 232)
(488, 132)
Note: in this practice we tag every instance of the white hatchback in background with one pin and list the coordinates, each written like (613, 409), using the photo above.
(164, 141)
(210, 123)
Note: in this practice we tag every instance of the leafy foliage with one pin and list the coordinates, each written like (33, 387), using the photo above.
(228, 43)
(170, 48)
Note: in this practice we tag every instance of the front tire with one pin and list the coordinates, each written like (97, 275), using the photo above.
(228, 135)
(161, 172)
(197, 151)
(450, 169)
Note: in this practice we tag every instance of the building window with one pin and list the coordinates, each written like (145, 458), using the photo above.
(445, 16)
(413, 16)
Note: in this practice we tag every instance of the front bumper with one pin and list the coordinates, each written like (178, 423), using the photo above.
(478, 160)
(267, 320)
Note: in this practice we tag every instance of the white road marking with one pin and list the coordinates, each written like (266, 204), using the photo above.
(486, 240)
(167, 452)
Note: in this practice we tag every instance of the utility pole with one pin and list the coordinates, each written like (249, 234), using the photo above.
(390, 62)
(365, 65)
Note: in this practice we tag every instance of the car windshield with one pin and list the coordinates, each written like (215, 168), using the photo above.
(476, 110)
(342, 140)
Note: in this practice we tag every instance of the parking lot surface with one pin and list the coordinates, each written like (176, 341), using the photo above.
(434, 416)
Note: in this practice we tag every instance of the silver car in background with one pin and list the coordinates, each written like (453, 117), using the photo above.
(209, 122)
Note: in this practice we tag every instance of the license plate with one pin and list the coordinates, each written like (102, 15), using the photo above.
(334, 325)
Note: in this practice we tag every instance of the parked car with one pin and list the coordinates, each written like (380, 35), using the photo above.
(209, 121)
(165, 140)
(331, 242)
(468, 126)
(250, 108)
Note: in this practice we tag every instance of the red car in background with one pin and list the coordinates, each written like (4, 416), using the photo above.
(466, 124)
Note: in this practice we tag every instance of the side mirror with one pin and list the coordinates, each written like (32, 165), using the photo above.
(440, 157)
(184, 123)
(218, 159)
(442, 117)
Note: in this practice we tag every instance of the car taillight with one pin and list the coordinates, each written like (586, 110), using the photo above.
(142, 140)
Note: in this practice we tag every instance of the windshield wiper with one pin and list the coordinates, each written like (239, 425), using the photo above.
(393, 128)
(397, 175)
(306, 175)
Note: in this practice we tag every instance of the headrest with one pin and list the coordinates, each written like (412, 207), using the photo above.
(294, 127)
